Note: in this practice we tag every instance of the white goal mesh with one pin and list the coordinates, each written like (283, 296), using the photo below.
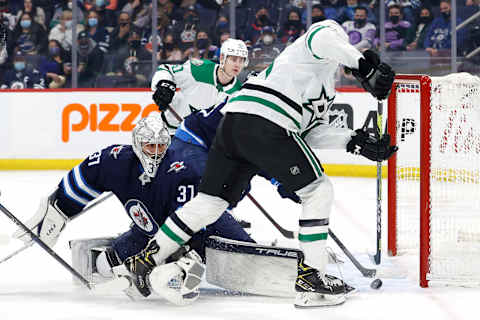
(434, 180)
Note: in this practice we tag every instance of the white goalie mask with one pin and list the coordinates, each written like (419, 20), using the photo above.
(233, 47)
(150, 142)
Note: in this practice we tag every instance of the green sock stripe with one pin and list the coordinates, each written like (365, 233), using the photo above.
(312, 237)
(172, 235)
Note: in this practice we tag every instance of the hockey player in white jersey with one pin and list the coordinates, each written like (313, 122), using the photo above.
(201, 83)
(271, 124)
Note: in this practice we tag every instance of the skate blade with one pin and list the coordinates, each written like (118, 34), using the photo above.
(312, 300)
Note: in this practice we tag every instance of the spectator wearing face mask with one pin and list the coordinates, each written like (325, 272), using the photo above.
(203, 48)
(134, 49)
(51, 66)
(105, 10)
(90, 60)
(262, 19)
(36, 12)
(292, 28)
(22, 77)
(28, 30)
(347, 12)
(266, 49)
(187, 29)
(361, 33)
(96, 30)
(439, 35)
(163, 26)
(398, 32)
(62, 32)
(318, 13)
(119, 35)
(170, 50)
(423, 22)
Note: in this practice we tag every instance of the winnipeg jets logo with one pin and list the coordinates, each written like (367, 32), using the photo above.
(140, 216)
(115, 151)
(176, 166)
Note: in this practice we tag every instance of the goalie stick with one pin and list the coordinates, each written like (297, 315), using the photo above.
(46, 248)
(29, 244)
(366, 272)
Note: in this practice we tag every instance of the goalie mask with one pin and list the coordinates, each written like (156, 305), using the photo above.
(150, 142)
(233, 47)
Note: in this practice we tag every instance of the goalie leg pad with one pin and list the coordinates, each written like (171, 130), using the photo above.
(84, 257)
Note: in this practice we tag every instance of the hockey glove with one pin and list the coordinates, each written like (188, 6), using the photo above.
(179, 281)
(369, 147)
(164, 93)
(374, 76)
(47, 223)
(141, 265)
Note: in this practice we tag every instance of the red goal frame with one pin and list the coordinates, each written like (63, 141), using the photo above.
(424, 86)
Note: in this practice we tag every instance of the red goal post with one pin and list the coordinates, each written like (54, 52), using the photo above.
(434, 179)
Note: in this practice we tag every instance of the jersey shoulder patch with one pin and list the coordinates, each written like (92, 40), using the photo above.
(115, 151)
(176, 167)
(204, 71)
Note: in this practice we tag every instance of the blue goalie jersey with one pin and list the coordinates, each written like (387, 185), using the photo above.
(147, 201)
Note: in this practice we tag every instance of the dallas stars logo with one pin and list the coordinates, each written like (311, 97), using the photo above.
(318, 107)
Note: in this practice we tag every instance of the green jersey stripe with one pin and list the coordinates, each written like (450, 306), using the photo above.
(172, 235)
(268, 104)
(313, 160)
(312, 237)
(310, 37)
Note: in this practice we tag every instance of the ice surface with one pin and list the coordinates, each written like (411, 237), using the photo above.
(34, 286)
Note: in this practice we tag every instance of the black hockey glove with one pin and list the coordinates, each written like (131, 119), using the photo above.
(375, 77)
(141, 265)
(163, 95)
(371, 148)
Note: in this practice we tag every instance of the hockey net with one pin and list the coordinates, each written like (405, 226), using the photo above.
(434, 179)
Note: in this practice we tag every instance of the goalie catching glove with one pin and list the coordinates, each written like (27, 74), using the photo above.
(177, 282)
(47, 223)
(369, 147)
(163, 95)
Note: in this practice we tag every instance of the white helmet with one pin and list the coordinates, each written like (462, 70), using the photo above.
(233, 47)
(150, 130)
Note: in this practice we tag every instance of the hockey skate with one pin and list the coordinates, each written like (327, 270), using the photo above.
(317, 290)
(141, 265)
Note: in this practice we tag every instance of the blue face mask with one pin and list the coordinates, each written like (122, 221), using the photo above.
(19, 66)
(99, 3)
(222, 24)
(92, 22)
(25, 23)
(68, 24)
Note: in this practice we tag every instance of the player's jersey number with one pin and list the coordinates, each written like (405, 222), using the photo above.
(186, 193)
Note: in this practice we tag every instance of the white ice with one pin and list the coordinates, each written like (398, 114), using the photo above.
(35, 286)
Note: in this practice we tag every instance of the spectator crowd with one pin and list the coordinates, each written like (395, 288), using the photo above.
(114, 46)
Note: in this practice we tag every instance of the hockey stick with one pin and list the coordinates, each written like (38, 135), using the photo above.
(46, 248)
(378, 253)
(366, 272)
(29, 244)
